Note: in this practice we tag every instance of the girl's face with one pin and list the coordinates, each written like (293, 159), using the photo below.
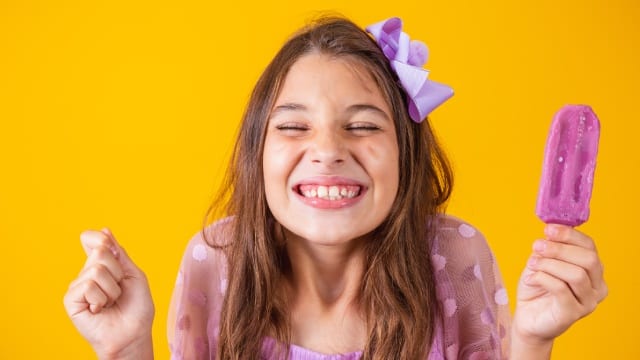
(331, 154)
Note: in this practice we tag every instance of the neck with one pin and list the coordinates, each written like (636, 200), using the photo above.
(327, 275)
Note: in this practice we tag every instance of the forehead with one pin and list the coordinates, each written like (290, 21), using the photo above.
(344, 77)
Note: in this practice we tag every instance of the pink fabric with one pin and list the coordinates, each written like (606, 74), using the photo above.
(474, 323)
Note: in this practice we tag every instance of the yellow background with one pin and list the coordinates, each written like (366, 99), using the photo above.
(121, 114)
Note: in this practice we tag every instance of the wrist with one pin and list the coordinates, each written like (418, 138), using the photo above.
(141, 349)
(528, 347)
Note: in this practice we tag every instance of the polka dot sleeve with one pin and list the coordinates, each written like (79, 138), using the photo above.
(473, 301)
(194, 312)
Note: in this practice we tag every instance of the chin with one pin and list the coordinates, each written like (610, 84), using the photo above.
(324, 236)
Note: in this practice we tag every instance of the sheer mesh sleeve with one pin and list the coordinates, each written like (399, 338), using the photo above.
(193, 319)
(474, 303)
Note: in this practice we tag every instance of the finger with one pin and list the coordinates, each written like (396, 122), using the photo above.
(583, 257)
(92, 239)
(128, 265)
(102, 277)
(568, 235)
(95, 297)
(74, 300)
(104, 257)
(574, 276)
(85, 295)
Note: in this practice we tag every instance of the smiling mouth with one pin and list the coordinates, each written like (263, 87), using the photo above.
(333, 192)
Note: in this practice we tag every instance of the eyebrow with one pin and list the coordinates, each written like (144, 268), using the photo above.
(287, 107)
(367, 107)
(352, 109)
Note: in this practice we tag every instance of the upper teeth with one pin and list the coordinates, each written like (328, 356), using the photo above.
(330, 192)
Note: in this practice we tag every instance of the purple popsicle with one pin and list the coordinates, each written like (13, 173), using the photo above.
(569, 165)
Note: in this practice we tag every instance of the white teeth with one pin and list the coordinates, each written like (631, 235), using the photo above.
(333, 192)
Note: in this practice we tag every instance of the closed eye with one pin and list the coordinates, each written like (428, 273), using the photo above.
(292, 128)
(362, 129)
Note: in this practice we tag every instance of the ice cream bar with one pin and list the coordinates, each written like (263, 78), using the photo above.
(569, 164)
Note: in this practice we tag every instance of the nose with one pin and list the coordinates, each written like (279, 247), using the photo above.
(328, 148)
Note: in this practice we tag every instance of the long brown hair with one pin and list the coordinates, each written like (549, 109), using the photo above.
(397, 293)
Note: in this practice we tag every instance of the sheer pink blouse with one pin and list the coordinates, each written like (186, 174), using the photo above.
(474, 323)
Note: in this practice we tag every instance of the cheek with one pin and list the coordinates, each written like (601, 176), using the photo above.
(383, 163)
(383, 168)
(277, 163)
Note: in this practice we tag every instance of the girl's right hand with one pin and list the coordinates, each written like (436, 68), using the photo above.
(110, 302)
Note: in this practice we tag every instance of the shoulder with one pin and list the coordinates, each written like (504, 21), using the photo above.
(216, 235)
(453, 233)
(205, 251)
(446, 223)
(213, 237)
(461, 246)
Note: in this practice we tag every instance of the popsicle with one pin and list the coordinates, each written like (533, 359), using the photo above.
(569, 165)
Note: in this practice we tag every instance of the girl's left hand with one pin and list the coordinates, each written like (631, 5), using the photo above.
(562, 283)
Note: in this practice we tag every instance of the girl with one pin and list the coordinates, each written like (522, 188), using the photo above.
(337, 246)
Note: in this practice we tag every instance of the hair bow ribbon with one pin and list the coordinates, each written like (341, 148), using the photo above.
(407, 58)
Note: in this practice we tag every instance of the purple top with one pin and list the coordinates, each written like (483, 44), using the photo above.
(474, 323)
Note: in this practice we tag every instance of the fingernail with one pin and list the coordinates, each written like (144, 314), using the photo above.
(533, 260)
(539, 246)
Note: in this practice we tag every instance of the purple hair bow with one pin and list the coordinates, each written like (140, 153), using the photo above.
(407, 58)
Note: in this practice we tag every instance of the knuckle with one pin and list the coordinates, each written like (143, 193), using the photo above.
(593, 261)
(559, 287)
(554, 284)
(72, 285)
(582, 277)
(94, 271)
(87, 286)
(97, 272)
(589, 241)
(591, 305)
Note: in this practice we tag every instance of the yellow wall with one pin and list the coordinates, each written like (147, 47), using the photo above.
(121, 113)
